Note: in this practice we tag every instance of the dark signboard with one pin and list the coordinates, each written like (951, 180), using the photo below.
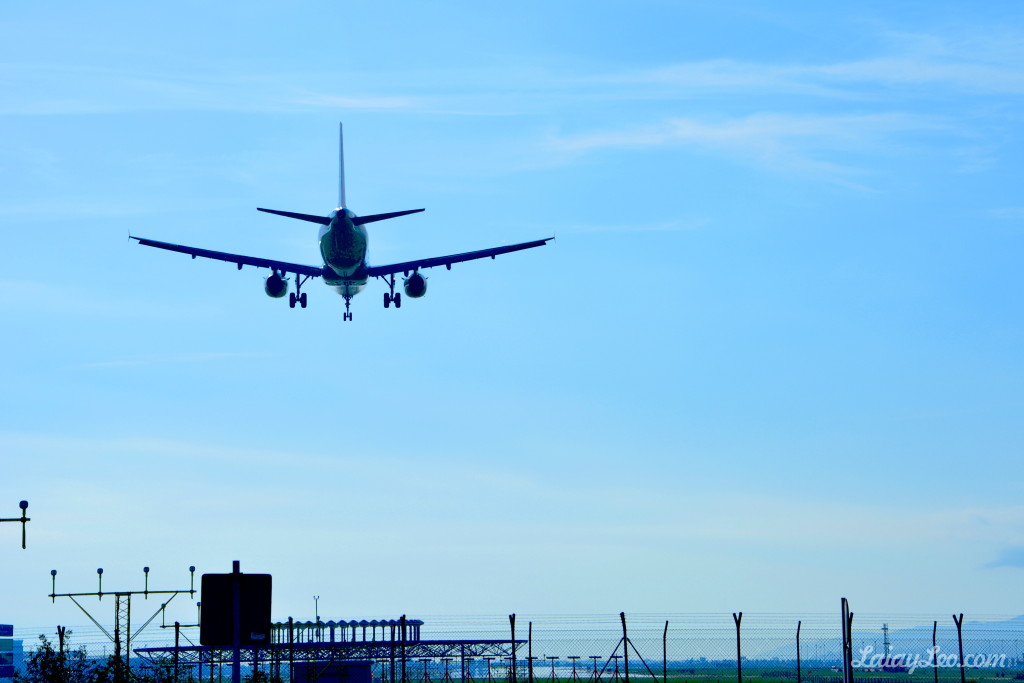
(217, 620)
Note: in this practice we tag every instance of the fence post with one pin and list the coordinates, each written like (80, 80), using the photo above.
(291, 649)
(847, 626)
(512, 621)
(739, 657)
(61, 630)
(404, 633)
(625, 644)
(177, 636)
(935, 651)
(392, 652)
(960, 642)
(798, 675)
(664, 654)
(529, 651)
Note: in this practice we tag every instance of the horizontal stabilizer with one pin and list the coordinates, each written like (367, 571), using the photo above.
(322, 220)
(362, 220)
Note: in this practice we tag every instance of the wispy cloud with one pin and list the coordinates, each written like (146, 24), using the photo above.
(174, 358)
(721, 75)
(791, 142)
(368, 103)
(965, 76)
(52, 89)
(1008, 213)
(1009, 557)
(829, 80)
(58, 209)
(762, 133)
(987, 60)
(75, 300)
(668, 226)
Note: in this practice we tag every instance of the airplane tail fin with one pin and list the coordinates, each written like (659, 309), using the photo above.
(323, 220)
(341, 166)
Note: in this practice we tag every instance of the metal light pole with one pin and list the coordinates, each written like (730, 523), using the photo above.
(23, 519)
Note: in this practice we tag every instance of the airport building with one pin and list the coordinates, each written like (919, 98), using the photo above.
(6, 653)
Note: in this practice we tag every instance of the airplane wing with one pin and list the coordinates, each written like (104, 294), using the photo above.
(237, 259)
(447, 261)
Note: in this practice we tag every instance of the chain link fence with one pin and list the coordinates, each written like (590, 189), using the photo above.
(683, 648)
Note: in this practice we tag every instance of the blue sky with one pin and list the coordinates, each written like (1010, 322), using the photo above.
(773, 357)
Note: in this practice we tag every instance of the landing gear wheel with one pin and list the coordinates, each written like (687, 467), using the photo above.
(348, 316)
(298, 296)
(387, 301)
(398, 300)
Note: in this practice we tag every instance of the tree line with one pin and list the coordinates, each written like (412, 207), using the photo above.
(47, 664)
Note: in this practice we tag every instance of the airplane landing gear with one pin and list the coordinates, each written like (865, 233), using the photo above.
(298, 296)
(391, 297)
(348, 315)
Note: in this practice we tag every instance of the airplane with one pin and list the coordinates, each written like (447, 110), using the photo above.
(343, 245)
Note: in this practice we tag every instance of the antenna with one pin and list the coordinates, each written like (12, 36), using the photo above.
(122, 614)
(23, 519)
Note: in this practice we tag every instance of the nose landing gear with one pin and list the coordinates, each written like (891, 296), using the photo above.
(348, 315)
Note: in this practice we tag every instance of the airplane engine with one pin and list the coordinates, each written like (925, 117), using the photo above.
(415, 286)
(275, 286)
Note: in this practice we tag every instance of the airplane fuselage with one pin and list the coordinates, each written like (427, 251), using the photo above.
(343, 249)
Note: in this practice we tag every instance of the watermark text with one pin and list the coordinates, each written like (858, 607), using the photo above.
(932, 658)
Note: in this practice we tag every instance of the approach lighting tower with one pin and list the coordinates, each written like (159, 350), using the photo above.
(122, 637)
(23, 519)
